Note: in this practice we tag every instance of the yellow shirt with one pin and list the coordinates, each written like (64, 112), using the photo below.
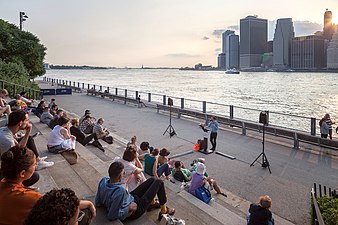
(16, 201)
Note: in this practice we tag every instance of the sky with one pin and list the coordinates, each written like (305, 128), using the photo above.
(155, 33)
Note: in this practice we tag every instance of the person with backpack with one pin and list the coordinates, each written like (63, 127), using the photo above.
(180, 173)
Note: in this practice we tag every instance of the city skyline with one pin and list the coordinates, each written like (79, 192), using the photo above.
(156, 34)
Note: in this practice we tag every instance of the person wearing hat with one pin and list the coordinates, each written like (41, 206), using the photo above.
(87, 112)
(198, 180)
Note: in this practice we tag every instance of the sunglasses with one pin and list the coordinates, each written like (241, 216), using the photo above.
(80, 217)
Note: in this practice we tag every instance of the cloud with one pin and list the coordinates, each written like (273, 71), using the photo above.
(306, 27)
(218, 33)
(205, 38)
(181, 55)
(233, 27)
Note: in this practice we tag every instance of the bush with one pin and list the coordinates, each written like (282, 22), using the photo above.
(329, 209)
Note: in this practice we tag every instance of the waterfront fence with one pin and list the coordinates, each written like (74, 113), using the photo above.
(282, 120)
(14, 89)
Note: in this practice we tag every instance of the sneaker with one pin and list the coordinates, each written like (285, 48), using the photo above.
(170, 211)
(43, 158)
(34, 188)
(43, 164)
(36, 134)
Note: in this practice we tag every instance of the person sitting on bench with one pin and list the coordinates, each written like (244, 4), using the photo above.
(124, 205)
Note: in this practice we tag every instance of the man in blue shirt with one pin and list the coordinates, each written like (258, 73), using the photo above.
(121, 204)
(213, 125)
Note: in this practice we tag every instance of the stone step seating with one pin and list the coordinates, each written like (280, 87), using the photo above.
(84, 176)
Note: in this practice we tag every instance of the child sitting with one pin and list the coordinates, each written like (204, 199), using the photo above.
(259, 214)
(199, 179)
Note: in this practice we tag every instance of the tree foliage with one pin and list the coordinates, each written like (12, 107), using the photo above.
(329, 209)
(21, 48)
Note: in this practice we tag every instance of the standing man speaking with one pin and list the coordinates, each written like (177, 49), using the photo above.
(213, 125)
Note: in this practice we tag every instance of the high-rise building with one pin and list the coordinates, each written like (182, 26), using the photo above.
(282, 39)
(229, 58)
(308, 52)
(332, 52)
(253, 41)
(328, 25)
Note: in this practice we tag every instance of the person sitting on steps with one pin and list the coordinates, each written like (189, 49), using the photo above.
(18, 121)
(86, 126)
(151, 165)
(46, 116)
(124, 205)
(259, 214)
(54, 121)
(198, 179)
(82, 137)
(61, 207)
(100, 131)
(4, 107)
(60, 138)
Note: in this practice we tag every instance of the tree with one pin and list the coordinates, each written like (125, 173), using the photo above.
(21, 48)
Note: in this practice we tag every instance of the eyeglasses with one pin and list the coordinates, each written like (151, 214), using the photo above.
(80, 217)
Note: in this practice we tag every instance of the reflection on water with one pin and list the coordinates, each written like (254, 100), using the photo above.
(303, 94)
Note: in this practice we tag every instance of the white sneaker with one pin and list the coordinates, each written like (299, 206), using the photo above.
(43, 164)
(34, 188)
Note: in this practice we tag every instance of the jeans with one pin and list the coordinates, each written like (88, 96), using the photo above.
(163, 169)
(213, 137)
(88, 138)
(145, 193)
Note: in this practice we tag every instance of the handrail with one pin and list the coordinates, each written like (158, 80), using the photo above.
(36, 93)
(316, 212)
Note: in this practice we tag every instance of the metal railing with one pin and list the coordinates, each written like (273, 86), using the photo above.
(14, 89)
(282, 120)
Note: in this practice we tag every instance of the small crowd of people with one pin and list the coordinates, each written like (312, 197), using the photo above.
(326, 126)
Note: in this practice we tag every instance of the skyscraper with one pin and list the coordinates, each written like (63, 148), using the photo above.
(282, 39)
(332, 52)
(253, 41)
(328, 26)
(232, 51)
(222, 56)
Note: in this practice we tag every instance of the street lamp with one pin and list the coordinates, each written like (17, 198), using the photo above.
(23, 18)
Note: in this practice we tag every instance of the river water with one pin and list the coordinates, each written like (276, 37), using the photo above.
(301, 94)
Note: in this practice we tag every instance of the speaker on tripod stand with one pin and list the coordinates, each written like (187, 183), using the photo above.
(264, 119)
(170, 129)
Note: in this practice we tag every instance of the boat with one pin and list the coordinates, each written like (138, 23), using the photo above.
(232, 71)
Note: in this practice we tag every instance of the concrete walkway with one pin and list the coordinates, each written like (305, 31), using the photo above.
(293, 171)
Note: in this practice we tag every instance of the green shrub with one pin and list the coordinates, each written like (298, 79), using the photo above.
(329, 209)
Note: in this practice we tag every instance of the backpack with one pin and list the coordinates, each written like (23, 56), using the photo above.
(203, 194)
(178, 175)
(108, 139)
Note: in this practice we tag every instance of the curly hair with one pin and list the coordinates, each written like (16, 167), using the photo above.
(56, 207)
(15, 160)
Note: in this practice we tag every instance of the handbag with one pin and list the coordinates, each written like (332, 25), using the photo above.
(70, 156)
(108, 139)
(203, 194)
(171, 220)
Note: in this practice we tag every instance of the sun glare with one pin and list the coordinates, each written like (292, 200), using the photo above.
(335, 19)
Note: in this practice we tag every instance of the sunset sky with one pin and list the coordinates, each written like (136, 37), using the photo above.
(155, 33)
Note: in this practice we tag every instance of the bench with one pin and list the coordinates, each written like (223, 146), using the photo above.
(76, 89)
(112, 96)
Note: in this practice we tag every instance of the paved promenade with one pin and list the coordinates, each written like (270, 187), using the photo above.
(293, 171)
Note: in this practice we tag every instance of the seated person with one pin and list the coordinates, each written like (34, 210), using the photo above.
(23, 97)
(87, 112)
(20, 104)
(39, 108)
(133, 142)
(4, 107)
(100, 131)
(61, 207)
(46, 116)
(198, 180)
(151, 165)
(87, 125)
(143, 150)
(54, 121)
(162, 159)
(82, 137)
(121, 204)
(180, 173)
(139, 102)
(60, 138)
(52, 102)
(133, 169)
(18, 121)
(259, 214)
(54, 109)
(16, 200)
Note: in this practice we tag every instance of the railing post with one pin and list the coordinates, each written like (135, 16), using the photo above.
(295, 141)
(116, 91)
(2, 85)
(66, 83)
(182, 103)
(94, 87)
(204, 106)
(315, 189)
(100, 88)
(29, 93)
(164, 99)
(78, 84)
(136, 94)
(243, 129)
(70, 83)
(231, 111)
(149, 97)
(313, 126)
(320, 190)
(52, 82)
(108, 89)
(125, 96)
(14, 90)
(83, 85)
(88, 86)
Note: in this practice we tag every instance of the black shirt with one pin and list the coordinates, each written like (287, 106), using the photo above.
(259, 215)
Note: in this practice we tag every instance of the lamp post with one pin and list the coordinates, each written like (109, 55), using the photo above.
(23, 18)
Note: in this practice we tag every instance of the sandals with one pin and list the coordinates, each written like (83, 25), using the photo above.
(170, 211)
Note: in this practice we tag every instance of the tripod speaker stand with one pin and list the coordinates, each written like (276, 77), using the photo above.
(170, 129)
(263, 118)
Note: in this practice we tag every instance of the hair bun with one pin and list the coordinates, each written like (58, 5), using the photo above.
(7, 156)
